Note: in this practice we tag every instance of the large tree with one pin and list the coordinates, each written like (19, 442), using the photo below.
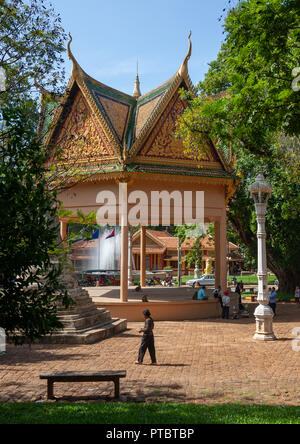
(31, 43)
(249, 105)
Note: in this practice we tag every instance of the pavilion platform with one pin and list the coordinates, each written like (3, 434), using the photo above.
(165, 303)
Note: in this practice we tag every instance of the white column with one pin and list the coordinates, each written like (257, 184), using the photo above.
(124, 242)
(130, 278)
(143, 257)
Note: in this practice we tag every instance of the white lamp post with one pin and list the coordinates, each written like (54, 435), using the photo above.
(260, 191)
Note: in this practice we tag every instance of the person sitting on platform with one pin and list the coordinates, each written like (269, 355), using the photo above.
(201, 296)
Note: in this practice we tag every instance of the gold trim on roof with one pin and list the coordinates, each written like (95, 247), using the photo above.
(144, 133)
(183, 70)
(182, 74)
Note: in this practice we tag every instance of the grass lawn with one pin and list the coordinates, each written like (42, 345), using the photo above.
(247, 280)
(133, 413)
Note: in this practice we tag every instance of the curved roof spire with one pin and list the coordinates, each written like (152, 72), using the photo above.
(183, 70)
(76, 68)
(137, 91)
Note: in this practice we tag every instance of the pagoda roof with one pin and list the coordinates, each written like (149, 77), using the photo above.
(127, 123)
(125, 116)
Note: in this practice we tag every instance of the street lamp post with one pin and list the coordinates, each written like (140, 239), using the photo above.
(179, 272)
(260, 191)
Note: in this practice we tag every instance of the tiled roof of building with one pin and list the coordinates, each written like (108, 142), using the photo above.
(85, 244)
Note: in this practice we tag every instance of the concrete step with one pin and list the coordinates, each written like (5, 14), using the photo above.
(91, 319)
(87, 336)
(77, 311)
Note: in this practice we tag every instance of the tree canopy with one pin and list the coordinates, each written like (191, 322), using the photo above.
(249, 105)
(31, 260)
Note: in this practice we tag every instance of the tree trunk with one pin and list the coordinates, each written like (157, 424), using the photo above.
(288, 278)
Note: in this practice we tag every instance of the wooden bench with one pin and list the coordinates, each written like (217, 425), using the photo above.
(108, 375)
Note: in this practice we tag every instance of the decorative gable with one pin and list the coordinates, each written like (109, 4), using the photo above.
(79, 137)
(116, 108)
(147, 104)
(163, 147)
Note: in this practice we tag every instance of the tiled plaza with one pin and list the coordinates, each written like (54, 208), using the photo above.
(203, 361)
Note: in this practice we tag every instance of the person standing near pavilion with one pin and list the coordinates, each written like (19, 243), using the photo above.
(272, 302)
(238, 291)
(147, 339)
(218, 294)
(226, 305)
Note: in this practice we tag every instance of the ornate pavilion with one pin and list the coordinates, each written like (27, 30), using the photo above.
(109, 138)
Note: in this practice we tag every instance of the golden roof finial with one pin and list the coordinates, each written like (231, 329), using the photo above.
(76, 68)
(183, 70)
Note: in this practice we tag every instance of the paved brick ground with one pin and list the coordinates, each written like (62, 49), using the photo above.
(199, 361)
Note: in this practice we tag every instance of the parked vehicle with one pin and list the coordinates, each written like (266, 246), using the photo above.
(206, 279)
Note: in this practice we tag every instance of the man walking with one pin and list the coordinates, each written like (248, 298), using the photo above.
(147, 339)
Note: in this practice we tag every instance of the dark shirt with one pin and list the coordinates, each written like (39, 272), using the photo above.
(148, 327)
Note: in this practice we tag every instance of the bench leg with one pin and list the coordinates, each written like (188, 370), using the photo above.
(117, 388)
(50, 394)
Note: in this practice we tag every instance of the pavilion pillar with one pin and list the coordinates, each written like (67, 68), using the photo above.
(124, 265)
(143, 257)
(130, 258)
(124, 244)
(221, 253)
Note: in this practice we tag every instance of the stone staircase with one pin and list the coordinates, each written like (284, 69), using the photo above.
(83, 322)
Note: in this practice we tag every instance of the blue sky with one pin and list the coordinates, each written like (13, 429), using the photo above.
(109, 36)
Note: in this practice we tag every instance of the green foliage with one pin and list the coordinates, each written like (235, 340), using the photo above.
(31, 45)
(247, 105)
(194, 256)
(31, 257)
(282, 221)
(146, 413)
(30, 290)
